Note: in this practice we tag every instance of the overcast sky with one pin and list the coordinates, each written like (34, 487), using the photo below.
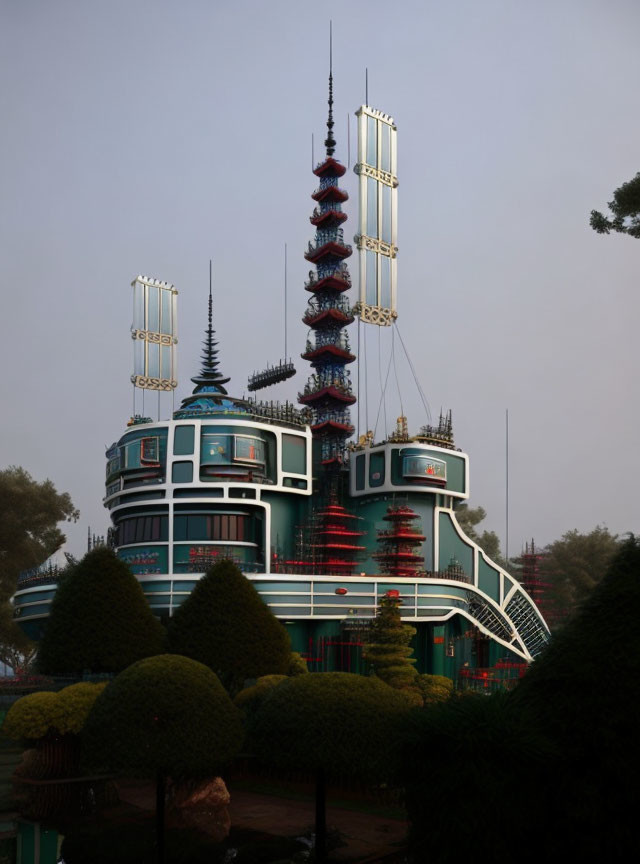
(148, 137)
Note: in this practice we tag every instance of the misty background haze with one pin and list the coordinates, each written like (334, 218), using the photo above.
(148, 137)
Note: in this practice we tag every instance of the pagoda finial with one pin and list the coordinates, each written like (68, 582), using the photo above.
(210, 381)
(330, 142)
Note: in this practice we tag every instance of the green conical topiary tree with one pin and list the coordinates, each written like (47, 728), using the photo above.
(387, 650)
(225, 624)
(100, 620)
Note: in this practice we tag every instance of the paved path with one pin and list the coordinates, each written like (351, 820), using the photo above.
(367, 836)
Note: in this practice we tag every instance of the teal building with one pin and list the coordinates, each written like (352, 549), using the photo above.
(322, 527)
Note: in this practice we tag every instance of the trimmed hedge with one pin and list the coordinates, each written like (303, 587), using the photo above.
(65, 712)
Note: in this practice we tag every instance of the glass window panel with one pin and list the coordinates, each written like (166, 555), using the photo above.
(385, 156)
(139, 530)
(371, 277)
(386, 213)
(197, 528)
(165, 361)
(224, 528)
(165, 319)
(216, 528)
(376, 469)
(138, 357)
(216, 449)
(372, 207)
(233, 533)
(294, 454)
(241, 522)
(182, 472)
(249, 449)
(385, 281)
(153, 350)
(372, 144)
(153, 310)
(183, 441)
(138, 307)
(180, 528)
(360, 471)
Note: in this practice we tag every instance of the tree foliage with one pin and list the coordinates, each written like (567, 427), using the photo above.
(339, 722)
(560, 751)
(29, 516)
(100, 620)
(467, 518)
(434, 688)
(165, 714)
(65, 712)
(225, 624)
(387, 649)
(573, 566)
(625, 211)
(16, 649)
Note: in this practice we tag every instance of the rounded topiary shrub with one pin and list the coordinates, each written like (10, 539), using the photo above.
(164, 715)
(341, 723)
(100, 620)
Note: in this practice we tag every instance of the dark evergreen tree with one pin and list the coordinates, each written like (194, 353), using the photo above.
(225, 624)
(100, 620)
(388, 650)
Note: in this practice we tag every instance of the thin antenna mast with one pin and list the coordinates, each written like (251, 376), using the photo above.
(506, 539)
(366, 86)
(285, 303)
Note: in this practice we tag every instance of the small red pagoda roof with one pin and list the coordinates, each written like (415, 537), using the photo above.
(400, 512)
(337, 250)
(330, 193)
(347, 356)
(329, 168)
(332, 424)
(337, 511)
(329, 216)
(326, 316)
(329, 283)
(327, 393)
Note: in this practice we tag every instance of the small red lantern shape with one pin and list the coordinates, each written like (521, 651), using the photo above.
(393, 593)
(341, 590)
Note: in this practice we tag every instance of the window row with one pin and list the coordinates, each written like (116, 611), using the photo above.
(219, 526)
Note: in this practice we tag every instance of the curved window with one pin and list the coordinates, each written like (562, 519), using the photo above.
(218, 526)
(141, 529)
(376, 469)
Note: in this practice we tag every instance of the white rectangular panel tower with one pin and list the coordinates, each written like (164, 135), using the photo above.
(154, 331)
(377, 237)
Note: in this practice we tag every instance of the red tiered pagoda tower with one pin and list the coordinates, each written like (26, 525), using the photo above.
(399, 543)
(328, 391)
(335, 538)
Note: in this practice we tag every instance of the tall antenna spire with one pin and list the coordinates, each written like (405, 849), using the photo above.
(330, 142)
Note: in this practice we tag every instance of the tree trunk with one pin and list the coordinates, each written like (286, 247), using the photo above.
(160, 801)
(321, 818)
